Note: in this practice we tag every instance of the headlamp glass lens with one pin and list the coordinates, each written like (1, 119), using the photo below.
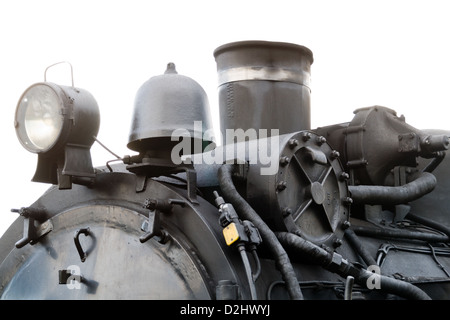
(40, 113)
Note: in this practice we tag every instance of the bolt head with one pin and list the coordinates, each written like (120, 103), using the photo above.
(346, 224)
(281, 185)
(321, 140)
(337, 242)
(293, 143)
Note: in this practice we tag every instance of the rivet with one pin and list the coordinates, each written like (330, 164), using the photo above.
(344, 176)
(335, 154)
(281, 185)
(306, 136)
(347, 201)
(346, 224)
(321, 140)
(293, 143)
(286, 212)
(337, 243)
(284, 160)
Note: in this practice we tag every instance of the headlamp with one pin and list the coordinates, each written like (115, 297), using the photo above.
(39, 118)
(60, 124)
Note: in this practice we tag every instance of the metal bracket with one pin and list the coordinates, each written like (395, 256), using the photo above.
(76, 239)
(227, 290)
(155, 168)
(73, 279)
(153, 225)
(35, 225)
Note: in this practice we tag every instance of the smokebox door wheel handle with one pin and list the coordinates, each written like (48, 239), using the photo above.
(76, 239)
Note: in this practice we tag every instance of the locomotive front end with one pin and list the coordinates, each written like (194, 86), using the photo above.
(278, 210)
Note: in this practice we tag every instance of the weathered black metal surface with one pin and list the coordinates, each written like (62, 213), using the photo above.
(264, 85)
(182, 267)
(167, 103)
(357, 210)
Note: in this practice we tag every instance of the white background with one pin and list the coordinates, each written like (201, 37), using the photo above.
(392, 53)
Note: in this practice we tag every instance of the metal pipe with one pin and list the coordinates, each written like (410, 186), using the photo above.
(430, 223)
(248, 272)
(348, 288)
(440, 155)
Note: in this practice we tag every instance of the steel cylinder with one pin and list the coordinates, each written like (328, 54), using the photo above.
(264, 85)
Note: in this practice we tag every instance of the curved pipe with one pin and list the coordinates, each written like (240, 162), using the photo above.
(342, 267)
(430, 223)
(413, 190)
(246, 212)
(440, 155)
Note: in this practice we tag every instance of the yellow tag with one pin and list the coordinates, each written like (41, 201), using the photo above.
(230, 234)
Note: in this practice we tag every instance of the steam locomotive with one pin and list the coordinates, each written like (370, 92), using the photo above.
(276, 211)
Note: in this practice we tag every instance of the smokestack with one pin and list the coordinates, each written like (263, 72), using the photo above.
(264, 85)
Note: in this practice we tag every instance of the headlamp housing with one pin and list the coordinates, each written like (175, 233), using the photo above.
(60, 124)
